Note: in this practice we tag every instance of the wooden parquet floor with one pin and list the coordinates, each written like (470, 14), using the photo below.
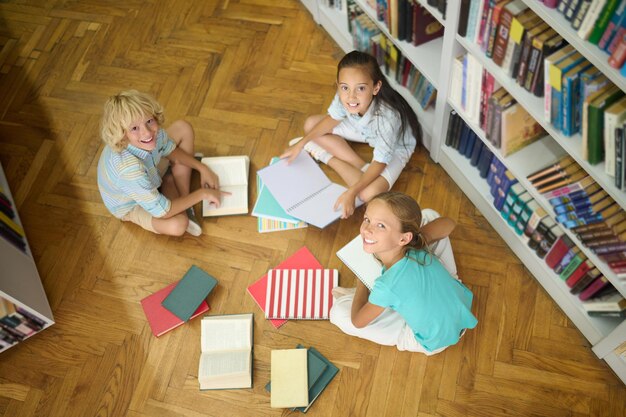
(245, 74)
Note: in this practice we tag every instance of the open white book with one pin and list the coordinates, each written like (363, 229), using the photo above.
(232, 172)
(362, 264)
(303, 190)
(226, 352)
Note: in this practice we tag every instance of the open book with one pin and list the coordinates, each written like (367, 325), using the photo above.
(226, 352)
(363, 264)
(303, 190)
(233, 176)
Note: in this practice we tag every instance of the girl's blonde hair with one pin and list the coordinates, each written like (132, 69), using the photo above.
(409, 213)
(123, 109)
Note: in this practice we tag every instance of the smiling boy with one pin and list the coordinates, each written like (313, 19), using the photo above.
(144, 172)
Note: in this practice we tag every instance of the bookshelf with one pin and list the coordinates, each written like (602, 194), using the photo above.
(23, 302)
(435, 60)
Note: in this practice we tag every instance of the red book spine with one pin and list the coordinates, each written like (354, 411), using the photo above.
(551, 3)
(557, 252)
(593, 288)
(617, 58)
(578, 273)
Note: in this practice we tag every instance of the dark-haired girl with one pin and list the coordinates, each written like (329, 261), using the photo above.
(365, 109)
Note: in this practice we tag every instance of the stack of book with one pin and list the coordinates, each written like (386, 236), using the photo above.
(298, 377)
(178, 302)
(612, 304)
(519, 41)
(10, 230)
(271, 217)
(506, 124)
(16, 323)
(368, 38)
(581, 205)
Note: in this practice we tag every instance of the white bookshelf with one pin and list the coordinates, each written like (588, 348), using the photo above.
(19, 280)
(434, 60)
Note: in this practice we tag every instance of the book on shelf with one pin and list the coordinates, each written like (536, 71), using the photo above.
(519, 129)
(595, 123)
(486, 156)
(503, 184)
(533, 221)
(189, 292)
(580, 14)
(548, 61)
(538, 234)
(580, 271)
(226, 343)
(619, 157)
(232, 172)
(492, 102)
(300, 293)
(425, 26)
(463, 17)
(535, 55)
(476, 151)
(494, 26)
(301, 259)
(565, 165)
(596, 286)
(475, 12)
(518, 207)
(303, 190)
(364, 265)
(160, 319)
(289, 378)
(566, 259)
(515, 192)
(570, 98)
(509, 12)
(563, 181)
(569, 8)
(618, 56)
(617, 37)
(585, 281)
(590, 18)
(571, 185)
(572, 265)
(603, 20)
(536, 81)
(614, 117)
(497, 128)
(614, 301)
(519, 26)
(489, 86)
(608, 209)
(557, 70)
(524, 57)
(560, 248)
(550, 237)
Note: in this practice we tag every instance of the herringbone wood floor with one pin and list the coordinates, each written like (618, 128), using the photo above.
(246, 74)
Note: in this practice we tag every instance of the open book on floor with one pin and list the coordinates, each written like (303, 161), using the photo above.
(303, 190)
(362, 264)
(226, 351)
(233, 176)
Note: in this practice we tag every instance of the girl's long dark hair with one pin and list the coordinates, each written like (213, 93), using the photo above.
(386, 94)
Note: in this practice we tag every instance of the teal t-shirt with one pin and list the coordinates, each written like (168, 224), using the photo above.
(435, 305)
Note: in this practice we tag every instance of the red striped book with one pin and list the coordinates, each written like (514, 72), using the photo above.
(300, 293)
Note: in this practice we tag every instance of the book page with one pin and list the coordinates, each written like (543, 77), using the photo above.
(230, 170)
(224, 363)
(362, 264)
(226, 333)
(319, 210)
(237, 201)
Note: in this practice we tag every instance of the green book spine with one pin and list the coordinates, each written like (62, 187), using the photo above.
(571, 267)
(595, 123)
(603, 21)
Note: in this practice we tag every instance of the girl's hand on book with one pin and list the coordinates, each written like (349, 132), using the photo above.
(209, 179)
(214, 196)
(345, 202)
(292, 152)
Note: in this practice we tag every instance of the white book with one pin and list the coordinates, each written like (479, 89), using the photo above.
(590, 18)
(303, 190)
(226, 351)
(362, 264)
(456, 84)
(614, 117)
(232, 172)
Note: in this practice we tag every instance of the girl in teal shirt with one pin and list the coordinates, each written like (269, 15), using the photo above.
(417, 304)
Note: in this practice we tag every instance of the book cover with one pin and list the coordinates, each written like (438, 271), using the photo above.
(232, 172)
(600, 283)
(595, 124)
(300, 293)
(495, 25)
(302, 258)
(364, 266)
(558, 251)
(570, 97)
(579, 272)
(322, 382)
(425, 26)
(548, 61)
(549, 47)
(602, 22)
(266, 205)
(501, 41)
(614, 117)
(160, 319)
(585, 281)
(289, 376)
(519, 26)
(303, 190)
(535, 55)
(556, 85)
(519, 129)
(524, 58)
(189, 293)
(591, 16)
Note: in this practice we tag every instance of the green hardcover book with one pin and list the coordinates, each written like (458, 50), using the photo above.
(189, 293)
(322, 382)
(603, 21)
(572, 266)
(595, 124)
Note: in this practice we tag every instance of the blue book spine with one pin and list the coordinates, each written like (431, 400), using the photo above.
(471, 140)
(463, 140)
(486, 156)
(617, 20)
(571, 96)
(476, 152)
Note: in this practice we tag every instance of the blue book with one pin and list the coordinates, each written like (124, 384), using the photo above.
(557, 70)
(486, 156)
(471, 141)
(267, 207)
(464, 138)
(476, 151)
(496, 169)
(189, 293)
(617, 21)
(571, 98)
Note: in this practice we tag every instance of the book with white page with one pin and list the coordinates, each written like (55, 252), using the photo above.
(232, 172)
(303, 190)
(362, 264)
(226, 351)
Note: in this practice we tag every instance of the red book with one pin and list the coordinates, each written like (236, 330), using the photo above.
(162, 320)
(618, 56)
(300, 293)
(303, 258)
(582, 269)
(594, 287)
(425, 26)
(558, 251)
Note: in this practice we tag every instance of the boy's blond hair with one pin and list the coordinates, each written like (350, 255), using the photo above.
(123, 109)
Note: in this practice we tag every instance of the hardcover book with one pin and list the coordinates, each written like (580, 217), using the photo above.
(232, 172)
(289, 376)
(189, 293)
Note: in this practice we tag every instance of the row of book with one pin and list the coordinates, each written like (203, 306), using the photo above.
(367, 37)
(531, 222)
(16, 323)
(408, 20)
(10, 230)
(507, 125)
